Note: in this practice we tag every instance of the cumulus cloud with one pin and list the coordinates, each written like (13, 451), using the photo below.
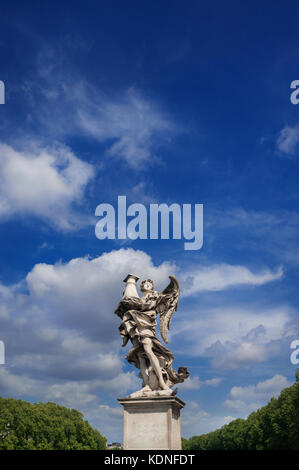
(62, 340)
(233, 337)
(252, 397)
(223, 276)
(243, 353)
(61, 334)
(288, 139)
(59, 320)
(45, 183)
(213, 382)
(84, 293)
(194, 383)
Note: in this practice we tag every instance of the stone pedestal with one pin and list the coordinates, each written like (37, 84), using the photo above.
(152, 423)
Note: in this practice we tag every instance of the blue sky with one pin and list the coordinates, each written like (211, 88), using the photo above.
(161, 102)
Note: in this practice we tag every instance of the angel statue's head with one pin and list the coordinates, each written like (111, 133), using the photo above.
(147, 285)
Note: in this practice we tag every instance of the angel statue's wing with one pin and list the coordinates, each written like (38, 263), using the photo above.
(167, 304)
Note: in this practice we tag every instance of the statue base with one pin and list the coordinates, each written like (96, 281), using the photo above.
(152, 423)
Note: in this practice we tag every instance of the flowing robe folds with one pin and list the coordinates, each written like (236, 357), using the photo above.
(139, 323)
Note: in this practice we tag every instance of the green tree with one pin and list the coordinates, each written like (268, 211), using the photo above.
(274, 427)
(45, 426)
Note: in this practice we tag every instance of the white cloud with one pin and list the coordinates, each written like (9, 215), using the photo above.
(252, 397)
(133, 122)
(64, 326)
(223, 276)
(244, 353)
(44, 183)
(213, 382)
(232, 337)
(62, 335)
(131, 125)
(108, 419)
(93, 286)
(84, 396)
(288, 139)
(192, 383)
(14, 385)
(196, 421)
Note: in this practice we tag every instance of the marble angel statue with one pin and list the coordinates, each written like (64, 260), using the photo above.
(138, 324)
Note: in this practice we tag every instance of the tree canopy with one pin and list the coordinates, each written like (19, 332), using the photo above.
(272, 427)
(45, 426)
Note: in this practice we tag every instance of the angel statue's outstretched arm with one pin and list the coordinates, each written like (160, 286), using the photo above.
(167, 304)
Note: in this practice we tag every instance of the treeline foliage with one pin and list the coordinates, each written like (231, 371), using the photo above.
(273, 427)
(45, 426)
